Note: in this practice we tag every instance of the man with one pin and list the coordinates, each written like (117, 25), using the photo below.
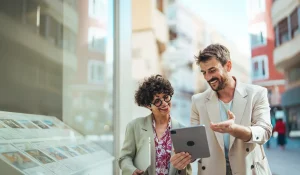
(236, 116)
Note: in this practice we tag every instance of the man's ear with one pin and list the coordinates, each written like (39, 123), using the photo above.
(228, 66)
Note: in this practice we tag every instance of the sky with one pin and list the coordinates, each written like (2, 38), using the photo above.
(229, 17)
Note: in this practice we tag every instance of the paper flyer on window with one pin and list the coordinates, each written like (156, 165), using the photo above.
(20, 161)
(30, 130)
(7, 132)
(52, 158)
(72, 159)
(35, 154)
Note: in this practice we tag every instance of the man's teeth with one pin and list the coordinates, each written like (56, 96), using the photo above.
(212, 82)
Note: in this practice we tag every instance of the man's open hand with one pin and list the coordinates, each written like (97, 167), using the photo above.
(225, 126)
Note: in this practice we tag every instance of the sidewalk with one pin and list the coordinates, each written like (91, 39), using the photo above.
(286, 161)
(282, 162)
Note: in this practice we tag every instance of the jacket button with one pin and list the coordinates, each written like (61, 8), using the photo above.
(247, 149)
(203, 168)
(252, 166)
(257, 138)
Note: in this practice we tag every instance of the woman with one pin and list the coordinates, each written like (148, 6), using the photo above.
(280, 129)
(154, 93)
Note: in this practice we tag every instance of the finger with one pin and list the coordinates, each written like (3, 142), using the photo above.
(179, 159)
(214, 125)
(140, 171)
(223, 124)
(230, 115)
(175, 157)
(184, 162)
(220, 130)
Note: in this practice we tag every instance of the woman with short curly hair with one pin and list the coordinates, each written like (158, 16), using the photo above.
(154, 93)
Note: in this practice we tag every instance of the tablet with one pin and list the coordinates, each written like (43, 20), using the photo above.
(192, 140)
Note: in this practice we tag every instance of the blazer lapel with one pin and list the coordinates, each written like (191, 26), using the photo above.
(148, 130)
(238, 106)
(214, 115)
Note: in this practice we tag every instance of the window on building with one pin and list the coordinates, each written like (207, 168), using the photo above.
(283, 31)
(294, 74)
(258, 35)
(96, 71)
(160, 5)
(260, 69)
(294, 23)
(98, 9)
(97, 39)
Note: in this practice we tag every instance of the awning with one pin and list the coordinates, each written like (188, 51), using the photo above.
(291, 97)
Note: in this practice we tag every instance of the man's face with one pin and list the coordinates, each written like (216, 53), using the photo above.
(215, 74)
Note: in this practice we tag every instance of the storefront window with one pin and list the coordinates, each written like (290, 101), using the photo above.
(56, 105)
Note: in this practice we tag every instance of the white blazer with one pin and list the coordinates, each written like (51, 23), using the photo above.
(251, 108)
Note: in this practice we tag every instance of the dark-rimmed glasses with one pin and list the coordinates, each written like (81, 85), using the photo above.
(158, 102)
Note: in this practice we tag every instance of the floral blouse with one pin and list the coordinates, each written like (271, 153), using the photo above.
(163, 149)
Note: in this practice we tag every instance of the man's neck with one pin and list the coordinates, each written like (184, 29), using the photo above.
(226, 94)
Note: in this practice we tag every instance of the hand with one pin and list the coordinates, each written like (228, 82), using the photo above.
(225, 126)
(181, 160)
(138, 172)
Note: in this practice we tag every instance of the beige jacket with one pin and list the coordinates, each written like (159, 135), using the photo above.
(137, 132)
(251, 108)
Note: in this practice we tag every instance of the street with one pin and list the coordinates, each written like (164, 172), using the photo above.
(286, 161)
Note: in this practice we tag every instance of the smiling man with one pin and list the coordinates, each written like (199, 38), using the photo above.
(236, 116)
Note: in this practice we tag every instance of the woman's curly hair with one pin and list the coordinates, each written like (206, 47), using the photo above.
(151, 86)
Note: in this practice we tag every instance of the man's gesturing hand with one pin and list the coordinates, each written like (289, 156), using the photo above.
(225, 126)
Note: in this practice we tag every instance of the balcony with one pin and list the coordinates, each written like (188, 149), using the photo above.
(63, 12)
(287, 54)
(283, 8)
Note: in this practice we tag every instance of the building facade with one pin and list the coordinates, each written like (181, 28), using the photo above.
(264, 72)
(189, 34)
(286, 20)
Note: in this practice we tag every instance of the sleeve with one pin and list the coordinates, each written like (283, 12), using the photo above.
(186, 171)
(195, 118)
(261, 127)
(128, 151)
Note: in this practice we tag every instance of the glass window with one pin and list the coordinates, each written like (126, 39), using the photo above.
(294, 23)
(56, 85)
(96, 39)
(96, 71)
(294, 74)
(260, 67)
(283, 31)
(258, 35)
(98, 9)
(160, 5)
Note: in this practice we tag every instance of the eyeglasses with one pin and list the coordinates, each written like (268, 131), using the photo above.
(158, 102)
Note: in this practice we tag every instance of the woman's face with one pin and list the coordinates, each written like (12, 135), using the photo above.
(161, 104)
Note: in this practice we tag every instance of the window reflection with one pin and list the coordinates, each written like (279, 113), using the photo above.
(56, 61)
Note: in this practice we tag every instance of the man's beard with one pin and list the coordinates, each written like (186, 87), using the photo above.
(221, 83)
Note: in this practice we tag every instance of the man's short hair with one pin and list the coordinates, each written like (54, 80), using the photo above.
(220, 52)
